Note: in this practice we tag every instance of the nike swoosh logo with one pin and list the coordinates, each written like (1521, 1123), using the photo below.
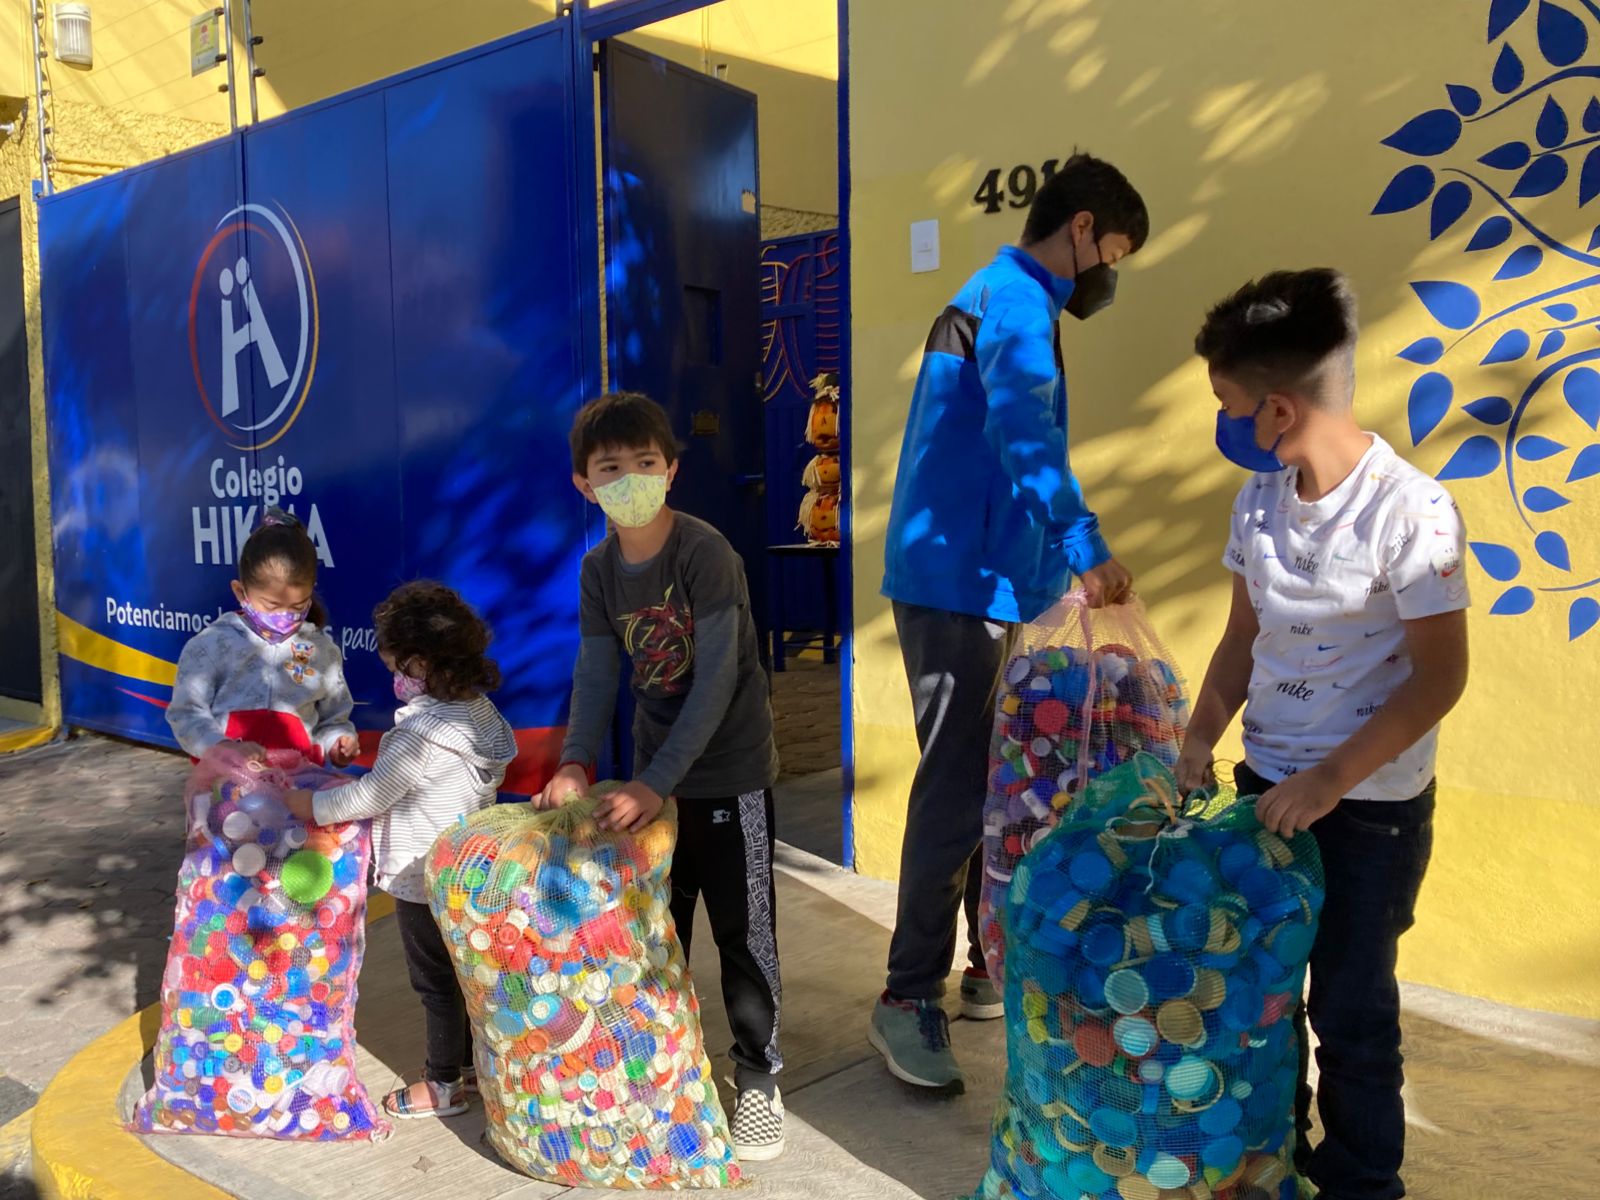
(1436, 500)
(1450, 572)
(1370, 635)
(1324, 649)
(1407, 587)
(1340, 687)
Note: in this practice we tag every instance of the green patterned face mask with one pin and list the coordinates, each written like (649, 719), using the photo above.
(633, 501)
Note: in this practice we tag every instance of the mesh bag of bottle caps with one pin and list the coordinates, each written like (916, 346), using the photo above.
(258, 999)
(1153, 977)
(1083, 691)
(587, 1034)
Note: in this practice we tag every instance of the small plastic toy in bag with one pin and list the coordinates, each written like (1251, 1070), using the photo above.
(1157, 957)
(258, 1000)
(586, 1028)
(1085, 690)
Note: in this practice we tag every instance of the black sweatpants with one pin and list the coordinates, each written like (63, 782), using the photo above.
(724, 854)
(952, 663)
(433, 978)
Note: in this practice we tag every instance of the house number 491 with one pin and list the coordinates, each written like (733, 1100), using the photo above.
(1021, 184)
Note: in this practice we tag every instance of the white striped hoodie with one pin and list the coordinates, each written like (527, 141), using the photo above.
(442, 759)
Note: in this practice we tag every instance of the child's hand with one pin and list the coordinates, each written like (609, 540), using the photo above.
(251, 751)
(299, 805)
(1194, 770)
(630, 808)
(345, 751)
(1298, 802)
(569, 781)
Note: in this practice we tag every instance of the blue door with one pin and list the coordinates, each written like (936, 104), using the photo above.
(683, 303)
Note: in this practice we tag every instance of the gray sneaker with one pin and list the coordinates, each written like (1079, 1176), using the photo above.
(980, 999)
(914, 1038)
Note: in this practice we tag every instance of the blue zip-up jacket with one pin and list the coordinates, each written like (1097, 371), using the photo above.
(987, 519)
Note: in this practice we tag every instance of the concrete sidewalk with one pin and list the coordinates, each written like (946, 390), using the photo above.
(853, 1132)
(1499, 1101)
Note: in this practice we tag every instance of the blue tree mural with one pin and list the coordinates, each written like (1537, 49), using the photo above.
(1533, 133)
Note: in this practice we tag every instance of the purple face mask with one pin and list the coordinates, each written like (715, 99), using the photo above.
(274, 627)
(407, 689)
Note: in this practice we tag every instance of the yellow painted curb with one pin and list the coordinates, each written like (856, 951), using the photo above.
(25, 739)
(81, 1150)
(15, 1138)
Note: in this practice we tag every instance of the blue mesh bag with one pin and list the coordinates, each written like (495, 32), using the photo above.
(1157, 951)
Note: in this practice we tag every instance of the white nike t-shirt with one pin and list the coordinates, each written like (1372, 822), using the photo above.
(1331, 582)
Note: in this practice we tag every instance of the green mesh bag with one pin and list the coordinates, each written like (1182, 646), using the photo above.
(1156, 954)
(586, 1027)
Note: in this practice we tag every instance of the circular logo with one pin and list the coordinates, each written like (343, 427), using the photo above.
(253, 326)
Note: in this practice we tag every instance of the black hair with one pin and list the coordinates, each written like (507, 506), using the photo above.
(426, 622)
(1281, 333)
(1092, 185)
(625, 420)
(281, 545)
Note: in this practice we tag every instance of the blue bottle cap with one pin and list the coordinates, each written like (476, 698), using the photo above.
(1091, 872)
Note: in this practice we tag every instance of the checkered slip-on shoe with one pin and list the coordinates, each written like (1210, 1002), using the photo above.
(758, 1126)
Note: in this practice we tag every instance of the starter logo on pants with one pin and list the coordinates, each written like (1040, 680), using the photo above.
(258, 353)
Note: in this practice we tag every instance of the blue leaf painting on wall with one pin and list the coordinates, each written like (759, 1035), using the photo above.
(1522, 327)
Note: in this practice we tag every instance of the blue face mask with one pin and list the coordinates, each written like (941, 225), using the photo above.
(1236, 438)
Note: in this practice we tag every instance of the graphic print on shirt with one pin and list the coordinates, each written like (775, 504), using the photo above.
(660, 640)
(299, 665)
(1333, 582)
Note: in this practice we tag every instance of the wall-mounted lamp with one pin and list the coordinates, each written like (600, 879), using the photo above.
(74, 43)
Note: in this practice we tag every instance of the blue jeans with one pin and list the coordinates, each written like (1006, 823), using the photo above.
(1374, 855)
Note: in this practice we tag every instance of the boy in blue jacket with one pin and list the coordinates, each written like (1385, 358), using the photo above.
(986, 530)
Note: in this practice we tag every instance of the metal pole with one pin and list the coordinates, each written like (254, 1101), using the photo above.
(250, 61)
(227, 35)
(38, 91)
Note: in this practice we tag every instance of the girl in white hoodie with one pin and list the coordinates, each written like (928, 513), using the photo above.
(445, 757)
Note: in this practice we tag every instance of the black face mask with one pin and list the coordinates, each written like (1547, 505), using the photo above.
(1093, 289)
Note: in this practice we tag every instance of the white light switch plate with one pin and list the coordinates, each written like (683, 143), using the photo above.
(924, 246)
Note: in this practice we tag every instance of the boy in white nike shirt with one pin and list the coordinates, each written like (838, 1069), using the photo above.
(1346, 645)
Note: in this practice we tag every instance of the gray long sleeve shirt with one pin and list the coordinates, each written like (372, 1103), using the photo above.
(227, 668)
(703, 718)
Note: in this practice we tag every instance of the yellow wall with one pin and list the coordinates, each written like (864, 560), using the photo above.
(785, 53)
(1253, 129)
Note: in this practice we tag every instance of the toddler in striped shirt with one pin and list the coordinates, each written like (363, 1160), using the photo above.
(446, 756)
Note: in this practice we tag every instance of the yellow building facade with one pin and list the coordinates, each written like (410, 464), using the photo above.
(1256, 132)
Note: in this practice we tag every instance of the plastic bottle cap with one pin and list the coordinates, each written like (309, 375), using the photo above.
(1126, 991)
(306, 876)
(1180, 1021)
(1094, 1044)
(1168, 1172)
(249, 859)
(1114, 1128)
(1135, 1036)
(1190, 1079)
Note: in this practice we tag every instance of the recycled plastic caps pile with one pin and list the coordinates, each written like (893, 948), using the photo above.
(590, 1057)
(1085, 691)
(258, 999)
(1154, 968)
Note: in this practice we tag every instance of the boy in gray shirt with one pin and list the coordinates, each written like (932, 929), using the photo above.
(667, 590)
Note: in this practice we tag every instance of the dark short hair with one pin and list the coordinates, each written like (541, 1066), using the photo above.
(1092, 185)
(621, 420)
(281, 545)
(429, 623)
(1279, 333)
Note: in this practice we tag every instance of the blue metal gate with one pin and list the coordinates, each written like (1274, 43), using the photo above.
(372, 312)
